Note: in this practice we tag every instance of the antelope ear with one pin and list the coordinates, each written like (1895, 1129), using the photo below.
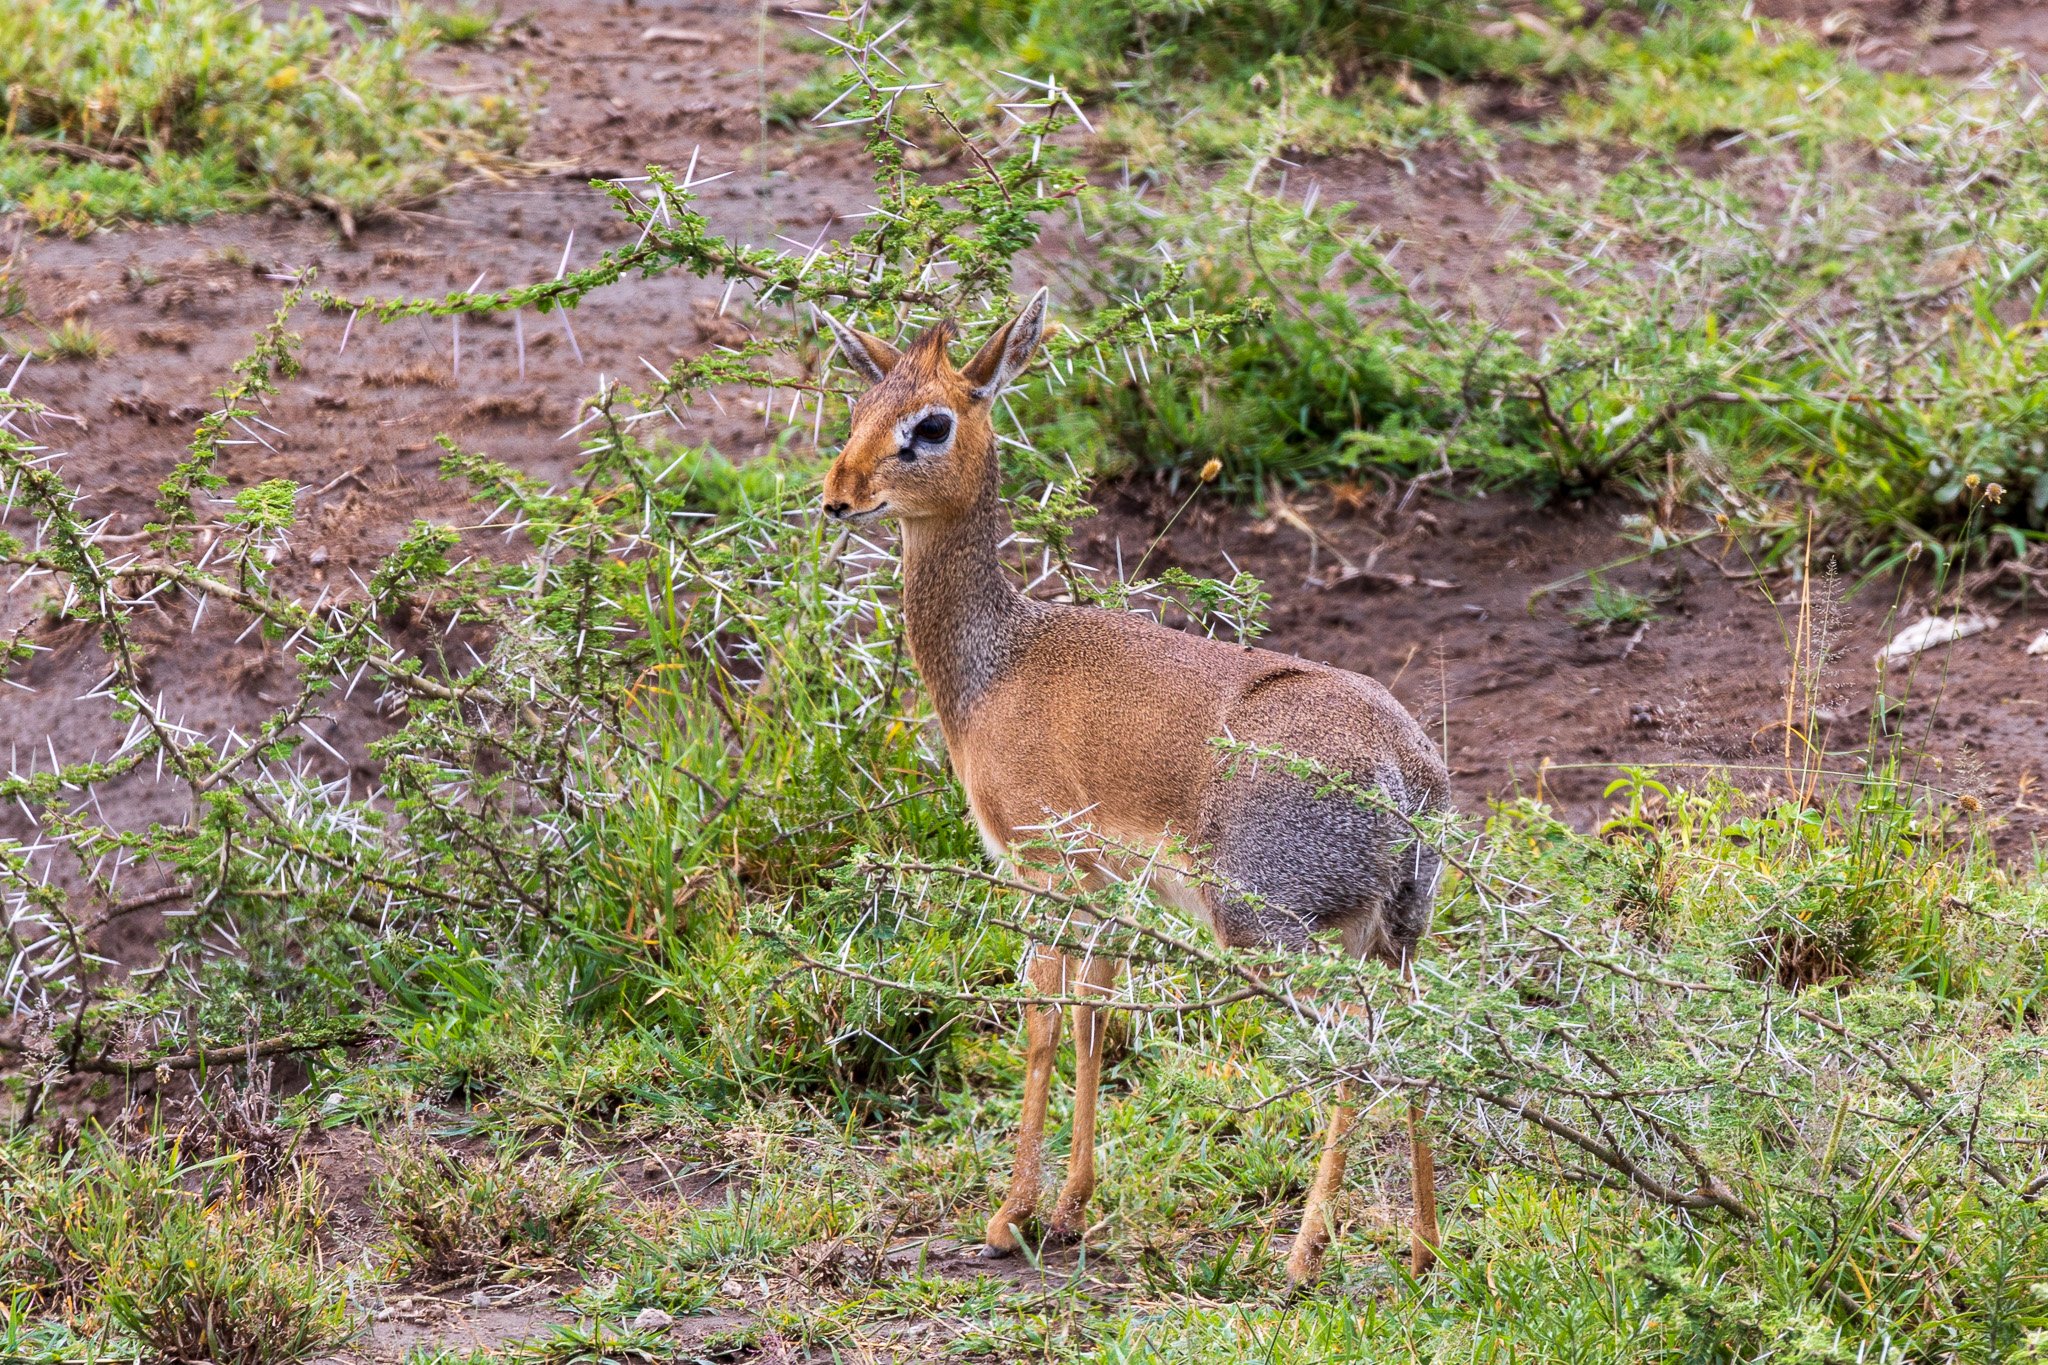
(871, 357)
(1004, 355)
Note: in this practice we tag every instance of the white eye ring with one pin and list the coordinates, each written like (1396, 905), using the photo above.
(910, 440)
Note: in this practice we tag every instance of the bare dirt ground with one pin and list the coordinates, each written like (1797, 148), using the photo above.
(1529, 702)
(1932, 37)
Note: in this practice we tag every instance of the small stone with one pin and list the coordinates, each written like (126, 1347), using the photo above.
(652, 1320)
(1933, 631)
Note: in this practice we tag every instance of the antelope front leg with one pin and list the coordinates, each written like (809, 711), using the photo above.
(1048, 975)
(1069, 1216)
(1317, 1214)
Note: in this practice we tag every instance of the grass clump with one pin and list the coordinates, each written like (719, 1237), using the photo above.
(463, 26)
(183, 1260)
(466, 1215)
(1701, 74)
(1344, 370)
(170, 110)
(76, 339)
(1094, 48)
(1610, 605)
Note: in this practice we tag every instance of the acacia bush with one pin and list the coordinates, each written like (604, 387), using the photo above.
(637, 625)
(1094, 47)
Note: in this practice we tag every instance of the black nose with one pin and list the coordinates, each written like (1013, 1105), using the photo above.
(836, 510)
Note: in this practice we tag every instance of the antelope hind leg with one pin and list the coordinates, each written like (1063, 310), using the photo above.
(1306, 1260)
(1424, 1238)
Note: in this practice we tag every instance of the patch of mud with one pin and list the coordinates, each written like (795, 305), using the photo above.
(1442, 221)
(1932, 37)
(1528, 701)
(483, 1320)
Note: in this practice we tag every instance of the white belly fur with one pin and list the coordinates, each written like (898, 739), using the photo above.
(1164, 874)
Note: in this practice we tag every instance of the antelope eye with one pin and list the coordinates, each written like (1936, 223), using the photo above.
(934, 429)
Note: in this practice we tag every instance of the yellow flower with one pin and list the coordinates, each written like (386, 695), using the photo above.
(1211, 470)
(284, 78)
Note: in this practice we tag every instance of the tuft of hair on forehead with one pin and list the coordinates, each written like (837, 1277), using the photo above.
(929, 349)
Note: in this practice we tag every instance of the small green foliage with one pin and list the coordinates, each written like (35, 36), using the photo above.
(265, 506)
(421, 559)
(464, 26)
(1611, 605)
(76, 339)
(182, 1259)
(472, 1214)
(274, 357)
(170, 110)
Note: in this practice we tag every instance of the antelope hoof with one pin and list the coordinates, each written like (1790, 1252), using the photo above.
(1065, 1231)
(1001, 1239)
(1069, 1223)
(1422, 1257)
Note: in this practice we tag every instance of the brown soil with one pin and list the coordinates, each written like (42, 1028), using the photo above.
(1447, 611)
(1933, 37)
(407, 1318)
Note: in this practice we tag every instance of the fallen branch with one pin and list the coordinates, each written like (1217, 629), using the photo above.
(1709, 1196)
(224, 1056)
(119, 161)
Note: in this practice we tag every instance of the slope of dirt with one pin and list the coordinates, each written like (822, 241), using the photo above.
(407, 1319)
(1932, 37)
(181, 304)
(1531, 702)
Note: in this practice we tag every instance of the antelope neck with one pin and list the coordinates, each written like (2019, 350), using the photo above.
(958, 606)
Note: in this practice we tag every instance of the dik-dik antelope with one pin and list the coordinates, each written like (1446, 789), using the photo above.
(1051, 711)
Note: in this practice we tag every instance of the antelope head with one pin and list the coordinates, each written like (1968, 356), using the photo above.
(922, 445)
